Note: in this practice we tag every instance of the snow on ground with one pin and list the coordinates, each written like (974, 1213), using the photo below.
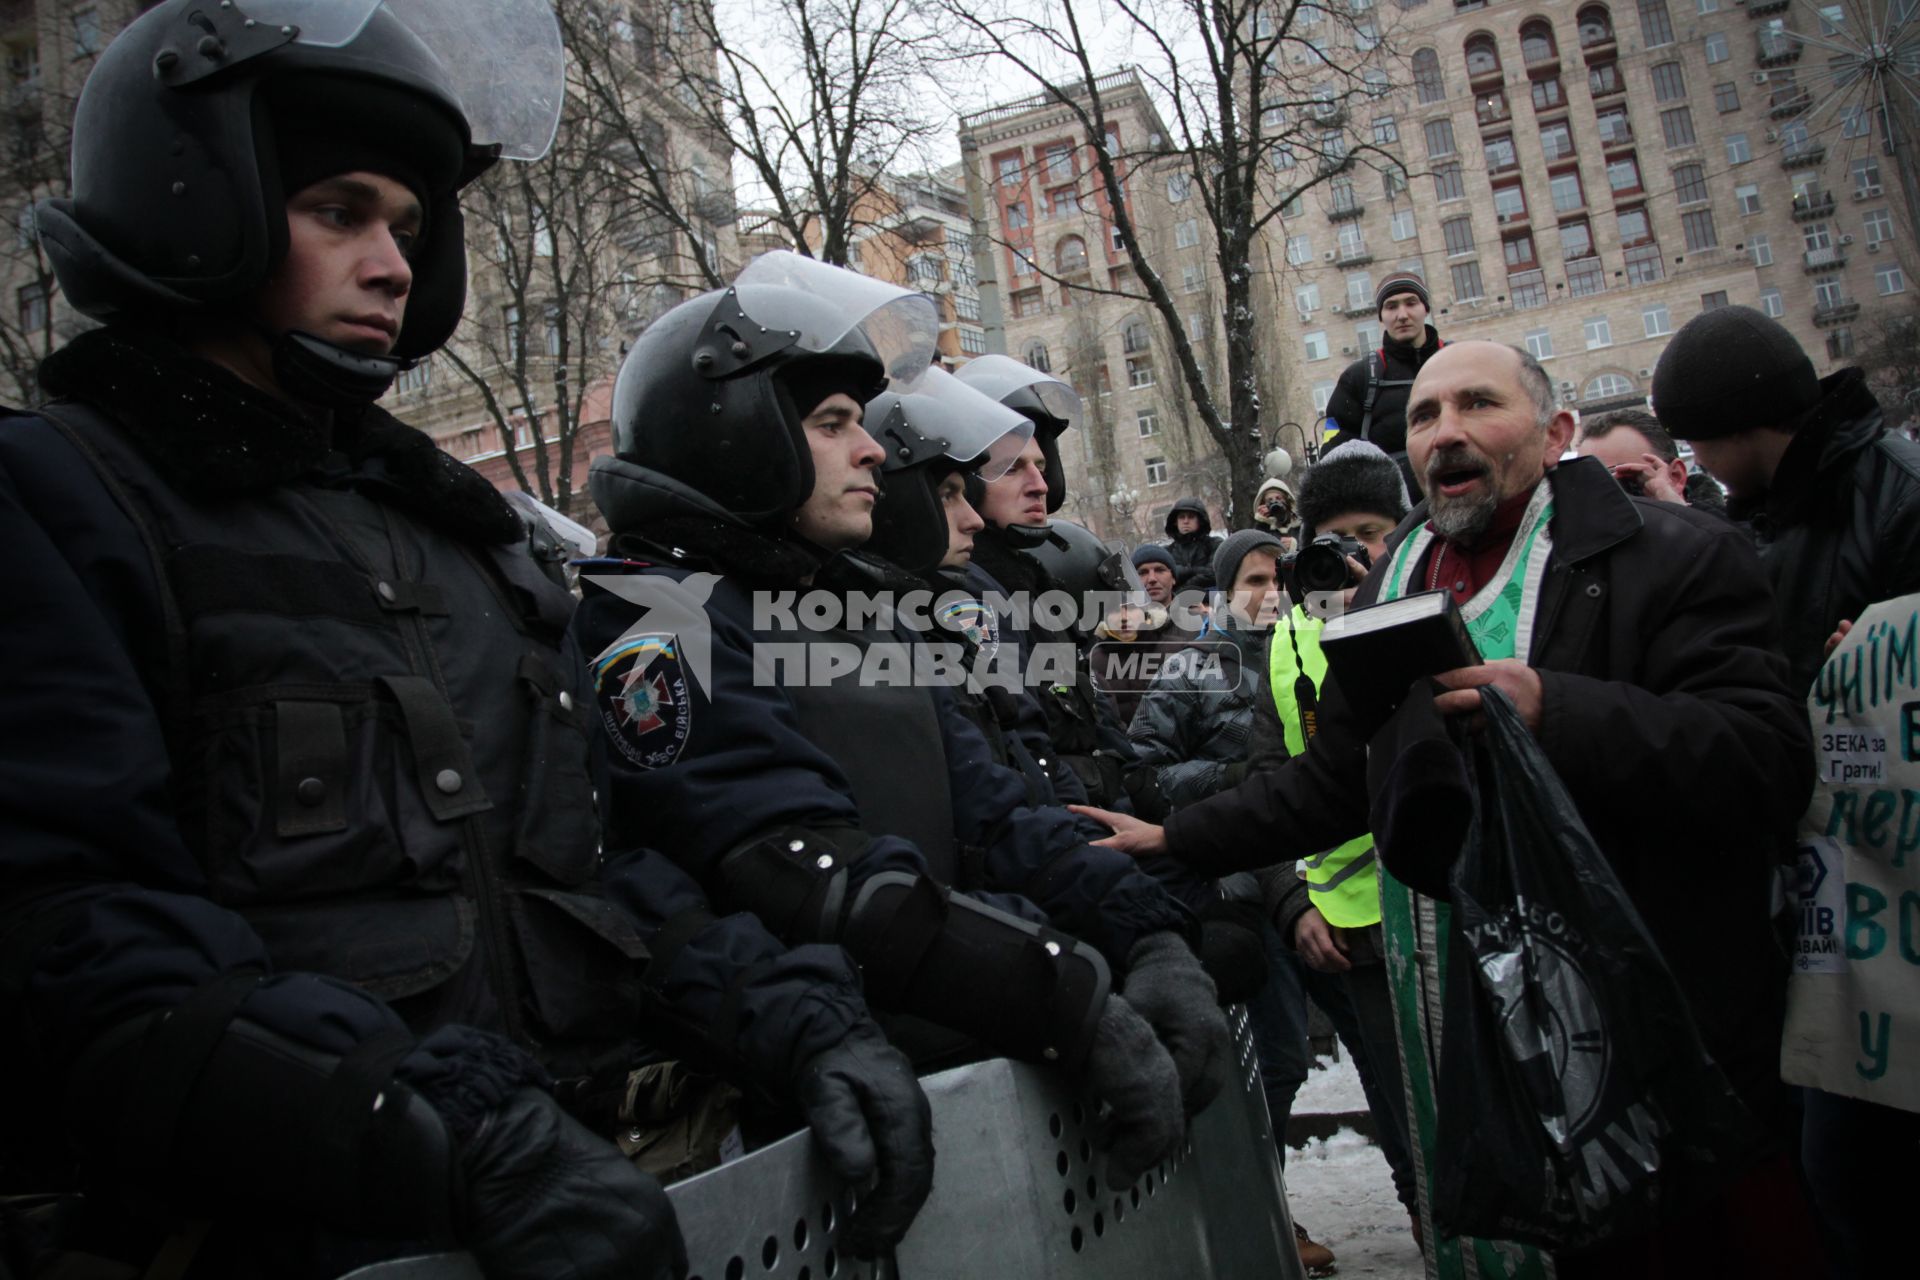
(1341, 1190)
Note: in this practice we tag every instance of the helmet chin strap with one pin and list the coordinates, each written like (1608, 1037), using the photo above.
(319, 373)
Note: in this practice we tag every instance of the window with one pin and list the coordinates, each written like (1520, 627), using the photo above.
(1597, 331)
(1737, 150)
(1623, 175)
(1427, 78)
(1747, 196)
(1466, 281)
(1828, 293)
(1656, 27)
(1385, 130)
(973, 341)
(1556, 140)
(1771, 304)
(1878, 225)
(1157, 471)
(1596, 26)
(1365, 36)
(1366, 335)
(1817, 237)
(923, 271)
(1439, 138)
(1149, 422)
(1458, 233)
(966, 306)
(1839, 343)
(1064, 201)
(1299, 250)
(1713, 301)
(1709, 6)
(1281, 156)
(1528, 289)
(1017, 214)
(1070, 255)
(86, 32)
(1359, 290)
(1518, 251)
(1576, 240)
(1690, 183)
(1608, 385)
(1115, 244)
(416, 378)
(1139, 372)
(1186, 233)
(1547, 93)
(1306, 299)
(1726, 97)
(1022, 263)
(1615, 128)
(1500, 154)
(1669, 82)
(34, 313)
(1448, 184)
(1676, 125)
(1322, 394)
(1888, 280)
(1509, 204)
(1585, 277)
(1010, 175)
(1353, 240)
(1603, 78)
(1315, 343)
(1540, 344)
(1855, 122)
(1716, 47)
(1655, 321)
(1536, 43)
(1634, 228)
(1191, 280)
(1060, 162)
(1038, 357)
(1644, 265)
(1483, 58)
(1027, 302)
(1833, 18)
(509, 321)
(1403, 225)
(1760, 249)
(1866, 175)
(1566, 192)
(1179, 187)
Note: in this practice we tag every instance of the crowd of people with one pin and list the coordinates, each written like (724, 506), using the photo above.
(382, 871)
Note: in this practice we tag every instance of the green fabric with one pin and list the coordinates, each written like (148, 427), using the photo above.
(1416, 932)
(1348, 896)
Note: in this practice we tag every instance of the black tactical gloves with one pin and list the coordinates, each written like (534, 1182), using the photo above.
(1131, 1072)
(1174, 994)
(869, 1115)
(539, 1197)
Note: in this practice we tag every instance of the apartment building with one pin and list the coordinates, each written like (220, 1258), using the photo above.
(915, 231)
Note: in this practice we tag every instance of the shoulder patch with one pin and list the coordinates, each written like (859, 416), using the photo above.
(641, 688)
(975, 621)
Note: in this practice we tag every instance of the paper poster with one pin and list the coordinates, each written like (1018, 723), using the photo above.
(1853, 1003)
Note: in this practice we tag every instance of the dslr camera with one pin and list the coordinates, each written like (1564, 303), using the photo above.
(1322, 563)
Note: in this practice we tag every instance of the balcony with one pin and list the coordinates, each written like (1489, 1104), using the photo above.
(1603, 80)
(1839, 312)
(1808, 205)
(1619, 136)
(1831, 258)
(1356, 257)
(1791, 102)
(1780, 52)
(1514, 218)
(1346, 210)
(1793, 157)
(1492, 108)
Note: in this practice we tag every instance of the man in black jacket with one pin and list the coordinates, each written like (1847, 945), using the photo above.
(1370, 400)
(1190, 539)
(1832, 497)
(1641, 634)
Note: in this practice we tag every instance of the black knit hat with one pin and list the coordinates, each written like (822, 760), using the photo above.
(1226, 561)
(1152, 553)
(1729, 369)
(1400, 283)
(1357, 476)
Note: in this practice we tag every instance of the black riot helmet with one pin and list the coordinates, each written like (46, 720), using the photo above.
(712, 394)
(187, 130)
(940, 427)
(1079, 563)
(1046, 401)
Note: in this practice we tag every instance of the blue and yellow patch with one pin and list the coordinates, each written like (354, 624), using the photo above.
(642, 692)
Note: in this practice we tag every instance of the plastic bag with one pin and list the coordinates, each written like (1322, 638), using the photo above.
(1575, 1100)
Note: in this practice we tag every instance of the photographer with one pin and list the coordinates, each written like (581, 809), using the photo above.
(1274, 510)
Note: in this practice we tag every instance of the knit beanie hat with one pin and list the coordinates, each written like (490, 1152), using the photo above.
(1401, 283)
(1357, 476)
(1152, 553)
(1226, 561)
(1729, 369)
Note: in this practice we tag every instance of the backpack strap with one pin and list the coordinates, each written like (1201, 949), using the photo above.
(1376, 364)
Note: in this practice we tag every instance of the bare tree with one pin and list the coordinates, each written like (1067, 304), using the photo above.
(33, 167)
(1890, 357)
(1259, 95)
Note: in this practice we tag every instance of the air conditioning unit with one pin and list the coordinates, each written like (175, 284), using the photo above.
(1759, 77)
(1346, 351)
(1566, 386)
(1773, 135)
(1874, 247)
(1306, 317)
(1846, 239)
(1329, 255)
(1646, 373)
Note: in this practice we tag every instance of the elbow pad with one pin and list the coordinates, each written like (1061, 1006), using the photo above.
(1023, 989)
(795, 880)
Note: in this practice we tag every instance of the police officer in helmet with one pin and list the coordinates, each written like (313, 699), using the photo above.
(304, 931)
(744, 478)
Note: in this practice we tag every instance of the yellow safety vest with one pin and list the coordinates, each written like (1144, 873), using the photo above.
(1341, 882)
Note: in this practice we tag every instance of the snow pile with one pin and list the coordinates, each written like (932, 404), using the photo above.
(1340, 1188)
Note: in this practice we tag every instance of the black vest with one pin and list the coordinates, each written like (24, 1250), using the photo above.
(380, 750)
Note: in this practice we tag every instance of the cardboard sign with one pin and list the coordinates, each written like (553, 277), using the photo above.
(1853, 1004)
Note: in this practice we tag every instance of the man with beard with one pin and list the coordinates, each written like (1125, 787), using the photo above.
(1635, 632)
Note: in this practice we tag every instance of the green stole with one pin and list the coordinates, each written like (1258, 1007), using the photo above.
(1500, 619)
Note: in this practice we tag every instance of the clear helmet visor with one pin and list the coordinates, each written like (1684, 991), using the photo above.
(963, 424)
(998, 376)
(503, 58)
(822, 304)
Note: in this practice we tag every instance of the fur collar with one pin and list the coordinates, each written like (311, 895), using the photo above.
(213, 436)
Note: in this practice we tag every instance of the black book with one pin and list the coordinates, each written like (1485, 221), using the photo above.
(1379, 651)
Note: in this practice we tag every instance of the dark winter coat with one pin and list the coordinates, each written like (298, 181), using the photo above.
(1840, 527)
(281, 697)
(1347, 407)
(1192, 725)
(1667, 714)
(1191, 552)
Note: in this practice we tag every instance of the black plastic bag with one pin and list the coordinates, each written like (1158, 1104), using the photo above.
(1576, 1102)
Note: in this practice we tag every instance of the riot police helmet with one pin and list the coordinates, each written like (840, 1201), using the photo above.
(1045, 400)
(1080, 563)
(713, 394)
(197, 117)
(929, 433)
